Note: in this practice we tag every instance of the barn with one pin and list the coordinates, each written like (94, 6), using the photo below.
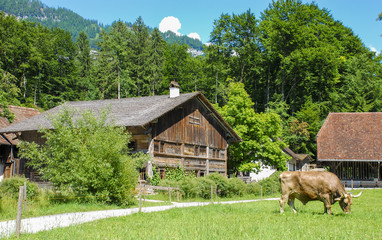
(177, 130)
(350, 145)
(9, 163)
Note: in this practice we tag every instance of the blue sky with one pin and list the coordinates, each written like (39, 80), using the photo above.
(197, 16)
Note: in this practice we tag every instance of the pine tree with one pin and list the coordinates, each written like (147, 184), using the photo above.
(156, 60)
(140, 62)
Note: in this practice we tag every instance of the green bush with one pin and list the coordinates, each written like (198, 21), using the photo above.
(192, 187)
(189, 187)
(96, 147)
(167, 182)
(221, 182)
(10, 187)
(236, 186)
(155, 180)
(204, 184)
(175, 174)
(270, 185)
(61, 195)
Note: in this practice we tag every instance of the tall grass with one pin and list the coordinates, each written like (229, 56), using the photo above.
(258, 220)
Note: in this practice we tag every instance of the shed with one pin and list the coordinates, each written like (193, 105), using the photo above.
(9, 162)
(350, 145)
(299, 162)
(183, 130)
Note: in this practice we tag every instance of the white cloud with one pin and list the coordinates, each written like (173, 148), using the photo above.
(375, 50)
(194, 36)
(170, 23)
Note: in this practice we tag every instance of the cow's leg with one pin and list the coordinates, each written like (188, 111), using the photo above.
(291, 204)
(327, 205)
(283, 200)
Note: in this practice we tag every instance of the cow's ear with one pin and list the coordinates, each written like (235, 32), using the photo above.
(340, 198)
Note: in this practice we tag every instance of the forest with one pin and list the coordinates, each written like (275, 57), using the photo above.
(294, 60)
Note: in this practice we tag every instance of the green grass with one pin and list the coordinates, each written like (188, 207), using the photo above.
(45, 207)
(257, 220)
(164, 197)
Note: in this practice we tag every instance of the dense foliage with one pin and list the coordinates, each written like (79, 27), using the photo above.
(260, 133)
(10, 187)
(88, 155)
(294, 60)
(192, 187)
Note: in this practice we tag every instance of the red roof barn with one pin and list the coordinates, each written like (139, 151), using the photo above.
(350, 144)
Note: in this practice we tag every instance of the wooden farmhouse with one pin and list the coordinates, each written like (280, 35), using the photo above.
(350, 145)
(9, 163)
(180, 130)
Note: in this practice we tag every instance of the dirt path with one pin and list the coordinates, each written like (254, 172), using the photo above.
(33, 225)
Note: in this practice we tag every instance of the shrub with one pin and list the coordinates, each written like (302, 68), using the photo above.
(63, 194)
(189, 187)
(204, 184)
(175, 174)
(96, 151)
(167, 182)
(236, 187)
(221, 182)
(270, 185)
(10, 187)
(155, 180)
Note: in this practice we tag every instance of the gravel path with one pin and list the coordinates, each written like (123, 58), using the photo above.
(33, 225)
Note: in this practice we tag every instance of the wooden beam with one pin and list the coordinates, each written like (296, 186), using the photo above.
(186, 156)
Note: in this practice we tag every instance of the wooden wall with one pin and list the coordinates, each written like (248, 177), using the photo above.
(190, 137)
(191, 123)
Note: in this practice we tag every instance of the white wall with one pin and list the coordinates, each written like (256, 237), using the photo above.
(1, 172)
(265, 172)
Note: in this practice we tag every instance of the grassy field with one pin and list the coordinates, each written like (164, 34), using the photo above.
(42, 208)
(258, 220)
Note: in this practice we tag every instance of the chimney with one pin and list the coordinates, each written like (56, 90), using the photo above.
(174, 89)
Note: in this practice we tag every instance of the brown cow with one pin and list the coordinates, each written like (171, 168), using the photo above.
(310, 186)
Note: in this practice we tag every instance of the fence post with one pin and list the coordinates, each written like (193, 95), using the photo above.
(352, 184)
(140, 196)
(144, 193)
(169, 192)
(19, 211)
(177, 193)
(25, 196)
(212, 195)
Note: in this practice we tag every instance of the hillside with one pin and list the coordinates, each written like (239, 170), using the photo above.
(36, 11)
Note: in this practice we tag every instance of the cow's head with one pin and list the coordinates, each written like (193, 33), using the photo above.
(345, 201)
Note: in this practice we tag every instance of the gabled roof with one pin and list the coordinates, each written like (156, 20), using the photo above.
(21, 113)
(350, 137)
(129, 112)
(297, 156)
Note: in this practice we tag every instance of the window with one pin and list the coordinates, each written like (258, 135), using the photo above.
(132, 146)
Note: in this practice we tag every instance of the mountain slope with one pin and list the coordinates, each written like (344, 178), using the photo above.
(35, 11)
